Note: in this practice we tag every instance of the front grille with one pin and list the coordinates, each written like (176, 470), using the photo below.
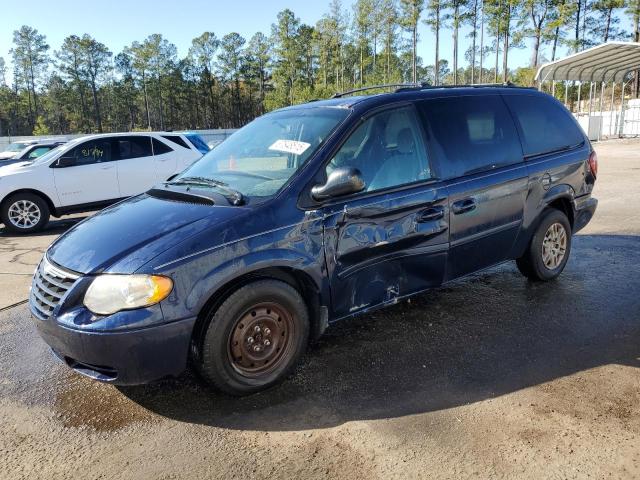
(49, 285)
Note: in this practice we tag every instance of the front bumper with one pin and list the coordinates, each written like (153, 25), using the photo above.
(126, 357)
(585, 208)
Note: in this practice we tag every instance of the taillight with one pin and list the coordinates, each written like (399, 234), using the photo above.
(593, 164)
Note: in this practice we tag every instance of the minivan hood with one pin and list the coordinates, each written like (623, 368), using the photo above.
(125, 236)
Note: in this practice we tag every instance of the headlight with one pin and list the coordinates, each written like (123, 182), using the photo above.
(109, 294)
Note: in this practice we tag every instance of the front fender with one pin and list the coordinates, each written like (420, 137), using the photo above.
(253, 262)
(197, 280)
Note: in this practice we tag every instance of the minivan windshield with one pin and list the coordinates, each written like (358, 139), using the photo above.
(259, 158)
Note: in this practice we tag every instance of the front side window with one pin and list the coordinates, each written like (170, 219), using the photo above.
(472, 134)
(387, 149)
(132, 147)
(93, 151)
(258, 159)
(545, 125)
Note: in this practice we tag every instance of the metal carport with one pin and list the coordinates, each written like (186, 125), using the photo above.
(611, 62)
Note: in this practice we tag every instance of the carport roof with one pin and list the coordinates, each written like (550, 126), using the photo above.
(608, 62)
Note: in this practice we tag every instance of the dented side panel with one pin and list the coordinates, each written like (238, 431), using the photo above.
(383, 247)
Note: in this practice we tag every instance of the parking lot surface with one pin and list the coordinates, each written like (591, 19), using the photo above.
(490, 376)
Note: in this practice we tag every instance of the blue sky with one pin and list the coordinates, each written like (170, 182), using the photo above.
(117, 23)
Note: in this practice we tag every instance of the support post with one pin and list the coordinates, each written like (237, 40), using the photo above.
(553, 88)
(579, 91)
(621, 118)
(613, 91)
(601, 122)
(566, 93)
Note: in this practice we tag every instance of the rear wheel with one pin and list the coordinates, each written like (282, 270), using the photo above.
(549, 249)
(25, 213)
(255, 338)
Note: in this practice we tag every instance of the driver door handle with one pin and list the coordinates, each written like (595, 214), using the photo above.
(463, 206)
(431, 214)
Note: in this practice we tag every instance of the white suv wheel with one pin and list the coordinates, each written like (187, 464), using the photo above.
(24, 214)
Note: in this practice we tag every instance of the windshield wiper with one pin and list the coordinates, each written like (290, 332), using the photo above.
(234, 197)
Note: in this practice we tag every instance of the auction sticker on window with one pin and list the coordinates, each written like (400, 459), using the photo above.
(290, 146)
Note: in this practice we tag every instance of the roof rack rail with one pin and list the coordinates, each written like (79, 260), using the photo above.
(426, 86)
(408, 87)
(375, 87)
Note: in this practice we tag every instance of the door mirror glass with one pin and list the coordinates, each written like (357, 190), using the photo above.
(341, 181)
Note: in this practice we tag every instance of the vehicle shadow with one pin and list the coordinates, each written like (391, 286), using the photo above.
(477, 338)
(54, 227)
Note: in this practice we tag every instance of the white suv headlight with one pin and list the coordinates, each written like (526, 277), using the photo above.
(109, 294)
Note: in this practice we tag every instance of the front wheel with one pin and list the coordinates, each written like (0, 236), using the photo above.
(25, 213)
(549, 249)
(255, 338)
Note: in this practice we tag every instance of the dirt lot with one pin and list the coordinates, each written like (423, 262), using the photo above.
(487, 377)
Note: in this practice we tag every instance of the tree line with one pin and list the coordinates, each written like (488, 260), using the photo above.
(224, 82)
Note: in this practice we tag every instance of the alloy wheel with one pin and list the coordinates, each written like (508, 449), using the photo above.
(24, 214)
(554, 246)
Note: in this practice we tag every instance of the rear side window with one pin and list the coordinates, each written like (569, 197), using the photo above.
(133, 147)
(546, 126)
(160, 148)
(471, 134)
(177, 139)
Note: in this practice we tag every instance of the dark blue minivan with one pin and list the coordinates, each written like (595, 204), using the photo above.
(308, 215)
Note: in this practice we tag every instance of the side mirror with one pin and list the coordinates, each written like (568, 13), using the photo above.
(341, 181)
(64, 162)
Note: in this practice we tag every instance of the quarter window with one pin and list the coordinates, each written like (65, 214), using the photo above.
(387, 148)
(160, 148)
(471, 134)
(545, 125)
(177, 139)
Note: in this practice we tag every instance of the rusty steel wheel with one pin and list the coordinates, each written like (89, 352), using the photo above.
(254, 339)
(260, 339)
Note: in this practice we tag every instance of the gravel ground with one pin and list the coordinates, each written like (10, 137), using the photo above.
(490, 376)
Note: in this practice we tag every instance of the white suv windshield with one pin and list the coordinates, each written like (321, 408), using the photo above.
(258, 159)
(47, 156)
(15, 147)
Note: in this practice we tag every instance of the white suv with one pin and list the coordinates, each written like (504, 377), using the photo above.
(89, 173)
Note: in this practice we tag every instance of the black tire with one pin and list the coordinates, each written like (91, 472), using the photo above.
(38, 204)
(226, 357)
(532, 264)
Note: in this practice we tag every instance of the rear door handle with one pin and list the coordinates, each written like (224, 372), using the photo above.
(463, 206)
(431, 214)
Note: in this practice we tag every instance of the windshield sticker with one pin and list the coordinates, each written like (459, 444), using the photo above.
(290, 146)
